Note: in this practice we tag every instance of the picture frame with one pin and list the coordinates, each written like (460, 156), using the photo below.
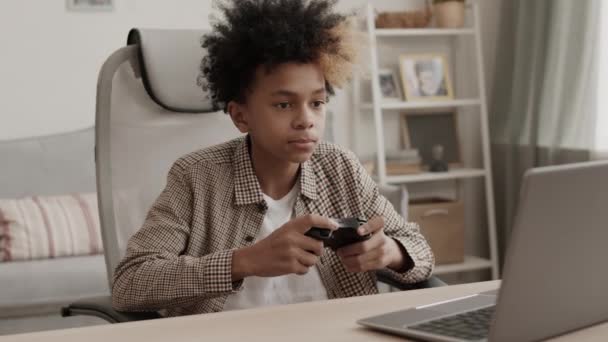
(90, 5)
(424, 129)
(425, 77)
(390, 89)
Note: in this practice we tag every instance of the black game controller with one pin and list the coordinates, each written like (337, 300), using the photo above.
(346, 233)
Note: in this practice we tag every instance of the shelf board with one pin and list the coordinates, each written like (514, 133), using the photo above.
(422, 105)
(436, 176)
(423, 32)
(471, 263)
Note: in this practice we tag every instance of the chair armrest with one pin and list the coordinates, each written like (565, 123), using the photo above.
(429, 283)
(102, 307)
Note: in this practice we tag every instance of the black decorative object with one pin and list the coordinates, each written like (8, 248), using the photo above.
(438, 164)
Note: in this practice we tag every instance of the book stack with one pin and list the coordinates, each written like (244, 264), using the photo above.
(403, 162)
(398, 162)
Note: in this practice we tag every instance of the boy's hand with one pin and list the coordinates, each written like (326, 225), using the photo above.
(287, 250)
(377, 252)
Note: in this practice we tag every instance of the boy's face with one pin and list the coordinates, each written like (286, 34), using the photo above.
(284, 112)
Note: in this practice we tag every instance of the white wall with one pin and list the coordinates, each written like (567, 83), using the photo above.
(50, 57)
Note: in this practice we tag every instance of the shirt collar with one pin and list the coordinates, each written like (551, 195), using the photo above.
(247, 189)
(308, 180)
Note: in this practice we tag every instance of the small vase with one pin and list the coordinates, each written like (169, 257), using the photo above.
(450, 14)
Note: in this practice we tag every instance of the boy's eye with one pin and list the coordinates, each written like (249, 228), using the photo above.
(318, 104)
(283, 105)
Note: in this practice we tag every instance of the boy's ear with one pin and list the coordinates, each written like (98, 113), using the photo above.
(239, 116)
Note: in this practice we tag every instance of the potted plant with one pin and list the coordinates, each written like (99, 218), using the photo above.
(449, 13)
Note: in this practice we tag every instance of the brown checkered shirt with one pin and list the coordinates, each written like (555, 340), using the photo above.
(180, 261)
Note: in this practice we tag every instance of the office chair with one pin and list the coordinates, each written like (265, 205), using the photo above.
(149, 112)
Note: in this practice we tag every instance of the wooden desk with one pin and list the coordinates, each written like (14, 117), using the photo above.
(317, 321)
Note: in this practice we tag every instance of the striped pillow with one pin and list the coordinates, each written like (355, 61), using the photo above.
(49, 227)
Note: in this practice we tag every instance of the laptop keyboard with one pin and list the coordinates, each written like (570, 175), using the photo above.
(471, 325)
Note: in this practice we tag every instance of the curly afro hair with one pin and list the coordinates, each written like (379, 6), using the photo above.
(268, 33)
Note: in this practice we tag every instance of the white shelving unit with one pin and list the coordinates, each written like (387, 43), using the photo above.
(436, 176)
(423, 32)
(379, 108)
(424, 105)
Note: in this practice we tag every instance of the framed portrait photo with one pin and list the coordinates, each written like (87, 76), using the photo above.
(389, 85)
(425, 77)
(425, 130)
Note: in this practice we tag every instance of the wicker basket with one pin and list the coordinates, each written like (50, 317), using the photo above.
(408, 19)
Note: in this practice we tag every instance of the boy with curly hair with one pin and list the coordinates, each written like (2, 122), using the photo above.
(228, 230)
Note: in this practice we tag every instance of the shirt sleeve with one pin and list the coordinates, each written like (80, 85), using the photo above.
(421, 261)
(155, 274)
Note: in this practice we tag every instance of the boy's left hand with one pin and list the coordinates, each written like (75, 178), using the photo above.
(377, 252)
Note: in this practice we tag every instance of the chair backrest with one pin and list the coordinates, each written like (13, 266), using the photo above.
(150, 111)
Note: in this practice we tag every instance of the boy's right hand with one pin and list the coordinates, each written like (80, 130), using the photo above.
(287, 250)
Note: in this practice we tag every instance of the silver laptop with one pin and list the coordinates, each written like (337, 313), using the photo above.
(555, 278)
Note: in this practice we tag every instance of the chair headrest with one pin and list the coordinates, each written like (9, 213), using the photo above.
(170, 66)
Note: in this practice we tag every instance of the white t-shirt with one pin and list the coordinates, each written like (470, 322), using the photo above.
(286, 289)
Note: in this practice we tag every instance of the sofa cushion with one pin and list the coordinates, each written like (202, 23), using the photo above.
(42, 227)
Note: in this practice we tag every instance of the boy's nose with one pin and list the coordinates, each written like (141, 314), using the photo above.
(305, 119)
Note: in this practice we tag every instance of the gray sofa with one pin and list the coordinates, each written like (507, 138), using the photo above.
(49, 165)
(33, 292)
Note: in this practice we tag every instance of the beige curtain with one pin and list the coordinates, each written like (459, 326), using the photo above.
(543, 109)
